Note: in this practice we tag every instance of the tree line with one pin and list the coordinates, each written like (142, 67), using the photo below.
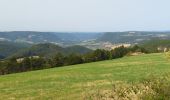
(59, 60)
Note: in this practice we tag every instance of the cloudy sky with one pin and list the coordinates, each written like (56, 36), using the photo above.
(84, 15)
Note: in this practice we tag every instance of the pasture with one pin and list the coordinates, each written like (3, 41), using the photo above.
(74, 82)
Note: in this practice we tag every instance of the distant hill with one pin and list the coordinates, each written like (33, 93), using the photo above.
(132, 36)
(29, 36)
(48, 50)
(78, 36)
(153, 45)
(76, 49)
(9, 48)
(66, 38)
(33, 37)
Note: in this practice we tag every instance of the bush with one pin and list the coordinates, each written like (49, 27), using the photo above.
(150, 89)
(160, 86)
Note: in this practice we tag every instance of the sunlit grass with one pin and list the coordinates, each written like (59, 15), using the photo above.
(72, 82)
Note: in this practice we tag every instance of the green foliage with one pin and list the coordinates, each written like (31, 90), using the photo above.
(76, 50)
(119, 52)
(27, 64)
(57, 61)
(101, 55)
(50, 50)
(9, 48)
(152, 45)
(73, 59)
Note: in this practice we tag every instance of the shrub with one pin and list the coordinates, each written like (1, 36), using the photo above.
(150, 89)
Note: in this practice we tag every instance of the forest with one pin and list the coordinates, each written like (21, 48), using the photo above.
(31, 63)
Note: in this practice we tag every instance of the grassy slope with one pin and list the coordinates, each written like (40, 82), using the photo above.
(72, 81)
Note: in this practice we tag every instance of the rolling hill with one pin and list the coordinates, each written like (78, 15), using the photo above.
(29, 37)
(153, 45)
(74, 82)
(49, 50)
(9, 48)
(132, 36)
(33, 37)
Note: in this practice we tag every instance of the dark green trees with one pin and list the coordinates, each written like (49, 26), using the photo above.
(57, 61)
(119, 52)
(35, 62)
(73, 59)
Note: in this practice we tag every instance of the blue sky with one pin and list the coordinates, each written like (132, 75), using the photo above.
(84, 15)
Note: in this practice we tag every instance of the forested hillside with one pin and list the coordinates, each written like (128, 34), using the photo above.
(132, 36)
(9, 48)
(47, 37)
(49, 50)
(156, 45)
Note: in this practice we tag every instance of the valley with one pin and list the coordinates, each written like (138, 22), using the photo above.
(105, 40)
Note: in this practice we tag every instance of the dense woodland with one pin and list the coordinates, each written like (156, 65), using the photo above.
(30, 63)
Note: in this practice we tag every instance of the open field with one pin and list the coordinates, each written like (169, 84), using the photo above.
(73, 82)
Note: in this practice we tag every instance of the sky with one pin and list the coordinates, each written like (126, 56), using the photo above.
(84, 15)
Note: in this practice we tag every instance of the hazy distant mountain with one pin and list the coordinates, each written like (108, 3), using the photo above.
(132, 36)
(78, 36)
(29, 36)
(46, 37)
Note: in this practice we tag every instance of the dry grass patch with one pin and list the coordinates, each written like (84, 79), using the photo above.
(150, 89)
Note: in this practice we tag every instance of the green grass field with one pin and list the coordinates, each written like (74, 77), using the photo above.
(73, 82)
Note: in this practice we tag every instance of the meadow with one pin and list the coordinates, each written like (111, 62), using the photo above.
(76, 81)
